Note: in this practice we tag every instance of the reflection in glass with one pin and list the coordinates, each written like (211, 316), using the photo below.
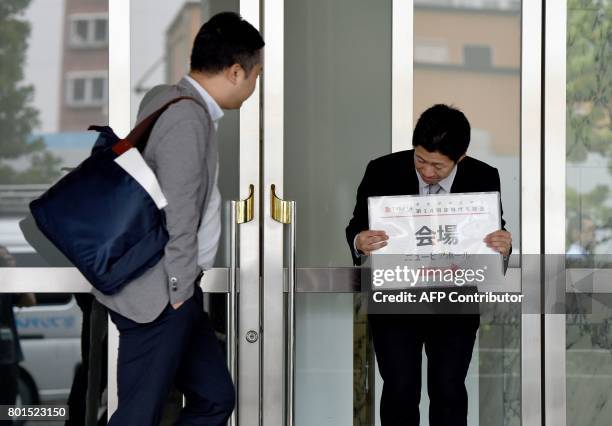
(337, 117)
(80, 31)
(467, 53)
(47, 343)
(78, 89)
(499, 369)
(54, 84)
(98, 89)
(162, 35)
(101, 28)
(11, 354)
(337, 110)
(589, 118)
(589, 207)
(588, 358)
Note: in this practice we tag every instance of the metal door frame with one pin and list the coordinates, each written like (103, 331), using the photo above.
(538, 189)
(554, 172)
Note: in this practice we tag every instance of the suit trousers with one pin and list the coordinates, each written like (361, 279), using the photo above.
(448, 342)
(10, 381)
(179, 347)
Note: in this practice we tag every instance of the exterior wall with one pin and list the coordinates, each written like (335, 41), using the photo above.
(494, 108)
(457, 28)
(488, 95)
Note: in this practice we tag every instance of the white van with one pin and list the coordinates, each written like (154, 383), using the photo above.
(49, 332)
(50, 336)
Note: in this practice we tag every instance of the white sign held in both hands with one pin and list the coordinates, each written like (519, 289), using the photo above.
(437, 231)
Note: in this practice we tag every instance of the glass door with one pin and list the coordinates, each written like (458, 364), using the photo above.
(161, 37)
(578, 293)
(83, 62)
(327, 112)
(343, 84)
(55, 81)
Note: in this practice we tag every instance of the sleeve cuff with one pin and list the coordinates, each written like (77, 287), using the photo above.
(355, 251)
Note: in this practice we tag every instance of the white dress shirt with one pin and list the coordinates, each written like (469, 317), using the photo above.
(210, 227)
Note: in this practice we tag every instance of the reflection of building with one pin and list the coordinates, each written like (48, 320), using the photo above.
(84, 87)
(179, 40)
(183, 29)
(467, 53)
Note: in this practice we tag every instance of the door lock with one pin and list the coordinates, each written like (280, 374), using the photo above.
(252, 336)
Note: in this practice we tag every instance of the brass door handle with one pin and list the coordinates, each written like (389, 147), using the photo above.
(281, 209)
(245, 209)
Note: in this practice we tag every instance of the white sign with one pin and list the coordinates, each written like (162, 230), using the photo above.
(438, 234)
(441, 223)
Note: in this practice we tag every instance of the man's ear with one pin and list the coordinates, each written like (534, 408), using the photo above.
(233, 73)
(461, 158)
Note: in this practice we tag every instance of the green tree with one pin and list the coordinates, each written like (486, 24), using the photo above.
(18, 118)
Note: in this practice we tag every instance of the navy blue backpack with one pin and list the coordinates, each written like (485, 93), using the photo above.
(106, 216)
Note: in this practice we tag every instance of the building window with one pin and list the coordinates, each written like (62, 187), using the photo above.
(89, 30)
(87, 89)
(477, 56)
(430, 51)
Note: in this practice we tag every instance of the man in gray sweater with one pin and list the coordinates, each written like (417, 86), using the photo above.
(165, 337)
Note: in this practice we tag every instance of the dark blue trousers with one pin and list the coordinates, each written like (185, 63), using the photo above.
(179, 347)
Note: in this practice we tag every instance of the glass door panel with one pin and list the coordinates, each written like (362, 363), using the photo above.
(162, 35)
(337, 115)
(334, 121)
(55, 80)
(55, 87)
(588, 208)
(172, 27)
(468, 55)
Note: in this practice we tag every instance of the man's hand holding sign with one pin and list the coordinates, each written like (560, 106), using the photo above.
(372, 240)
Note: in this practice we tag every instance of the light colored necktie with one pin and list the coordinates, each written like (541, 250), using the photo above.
(434, 188)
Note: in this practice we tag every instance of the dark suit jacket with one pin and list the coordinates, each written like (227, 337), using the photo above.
(394, 174)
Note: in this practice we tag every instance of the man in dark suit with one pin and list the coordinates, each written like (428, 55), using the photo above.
(438, 164)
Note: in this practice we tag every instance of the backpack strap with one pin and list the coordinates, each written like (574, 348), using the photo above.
(139, 136)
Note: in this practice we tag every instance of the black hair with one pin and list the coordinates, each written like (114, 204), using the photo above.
(226, 39)
(443, 129)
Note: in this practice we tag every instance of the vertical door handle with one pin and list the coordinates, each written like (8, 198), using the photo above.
(285, 212)
(241, 211)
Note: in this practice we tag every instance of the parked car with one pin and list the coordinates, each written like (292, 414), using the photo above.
(50, 336)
